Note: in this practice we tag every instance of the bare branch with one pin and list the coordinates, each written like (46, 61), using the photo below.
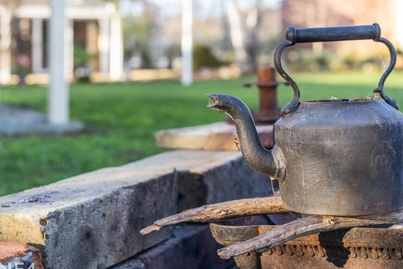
(220, 211)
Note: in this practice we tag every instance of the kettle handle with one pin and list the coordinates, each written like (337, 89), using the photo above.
(325, 34)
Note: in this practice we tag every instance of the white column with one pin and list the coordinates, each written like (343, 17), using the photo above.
(91, 47)
(37, 46)
(5, 43)
(68, 50)
(116, 49)
(58, 93)
(103, 45)
(187, 43)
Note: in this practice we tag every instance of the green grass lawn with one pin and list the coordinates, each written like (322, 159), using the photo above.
(121, 120)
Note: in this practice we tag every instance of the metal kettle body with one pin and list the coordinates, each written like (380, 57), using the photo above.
(342, 157)
(331, 157)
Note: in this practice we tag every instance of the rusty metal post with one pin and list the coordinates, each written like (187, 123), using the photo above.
(268, 111)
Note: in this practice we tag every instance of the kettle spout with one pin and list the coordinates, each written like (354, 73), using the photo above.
(263, 161)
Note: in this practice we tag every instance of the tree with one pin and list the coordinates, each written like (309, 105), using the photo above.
(7, 8)
(139, 30)
(243, 34)
(310, 14)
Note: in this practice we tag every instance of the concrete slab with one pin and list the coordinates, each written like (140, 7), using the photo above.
(96, 217)
(215, 136)
(18, 121)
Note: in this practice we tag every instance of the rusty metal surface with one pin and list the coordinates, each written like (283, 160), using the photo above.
(369, 248)
(340, 158)
(331, 157)
(232, 235)
(268, 111)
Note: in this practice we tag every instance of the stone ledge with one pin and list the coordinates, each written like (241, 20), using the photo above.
(93, 220)
(215, 136)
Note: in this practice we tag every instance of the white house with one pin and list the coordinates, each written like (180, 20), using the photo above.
(92, 26)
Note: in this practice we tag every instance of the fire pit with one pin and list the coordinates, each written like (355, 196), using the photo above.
(369, 248)
(308, 242)
(340, 161)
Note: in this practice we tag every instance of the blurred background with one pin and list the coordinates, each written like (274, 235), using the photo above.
(120, 66)
(110, 40)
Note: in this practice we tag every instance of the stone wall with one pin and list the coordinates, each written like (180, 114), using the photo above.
(93, 220)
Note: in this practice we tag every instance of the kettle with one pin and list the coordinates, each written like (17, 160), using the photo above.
(330, 157)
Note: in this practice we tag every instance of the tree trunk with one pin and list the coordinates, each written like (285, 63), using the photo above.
(5, 45)
(243, 42)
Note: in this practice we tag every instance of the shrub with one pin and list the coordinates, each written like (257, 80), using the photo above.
(203, 56)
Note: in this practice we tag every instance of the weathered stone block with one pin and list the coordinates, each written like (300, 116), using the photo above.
(214, 136)
(93, 220)
(229, 180)
(79, 228)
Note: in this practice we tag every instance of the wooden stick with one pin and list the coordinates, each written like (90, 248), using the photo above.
(305, 226)
(220, 211)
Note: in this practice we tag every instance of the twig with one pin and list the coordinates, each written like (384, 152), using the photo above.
(220, 211)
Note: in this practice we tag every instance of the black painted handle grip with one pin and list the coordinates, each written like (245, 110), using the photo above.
(325, 34)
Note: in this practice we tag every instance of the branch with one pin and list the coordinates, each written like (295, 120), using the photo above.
(220, 211)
